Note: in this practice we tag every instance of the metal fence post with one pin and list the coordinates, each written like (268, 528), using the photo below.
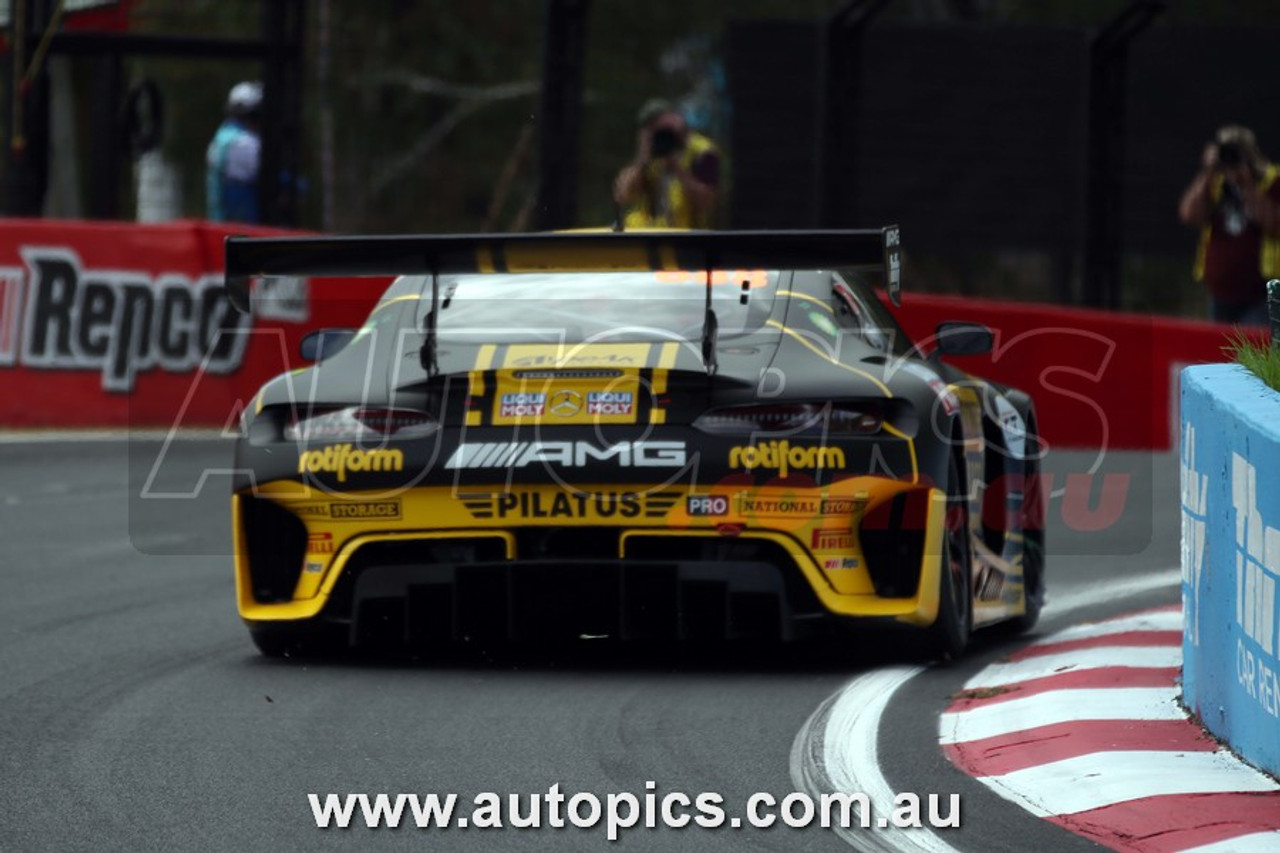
(1273, 310)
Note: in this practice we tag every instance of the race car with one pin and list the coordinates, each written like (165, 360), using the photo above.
(636, 436)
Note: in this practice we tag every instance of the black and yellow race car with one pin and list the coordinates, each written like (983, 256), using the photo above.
(654, 435)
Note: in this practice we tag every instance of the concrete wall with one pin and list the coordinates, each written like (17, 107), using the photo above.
(1230, 461)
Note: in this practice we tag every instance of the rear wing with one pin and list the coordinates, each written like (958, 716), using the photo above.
(588, 251)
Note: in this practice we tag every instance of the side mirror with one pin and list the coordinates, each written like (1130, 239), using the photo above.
(324, 343)
(960, 338)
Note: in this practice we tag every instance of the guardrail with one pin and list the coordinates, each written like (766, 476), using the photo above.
(1230, 463)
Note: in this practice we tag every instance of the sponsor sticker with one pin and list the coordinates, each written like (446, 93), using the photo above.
(346, 511)
(781, 456)
(777, 507)
(832, 540)
(522, 405)
(836, 564)
(320, 543)
(313, 568)
(342, 459)
(567, 454)
(281, 297)
(588, 355)
(362, 511)
(707, 506)
(565, 504)
(1014, 428)
(842, 506)
(950, 403)
(609, 402)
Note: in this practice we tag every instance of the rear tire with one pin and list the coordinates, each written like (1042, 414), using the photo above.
(950, 632)
(1033, 521)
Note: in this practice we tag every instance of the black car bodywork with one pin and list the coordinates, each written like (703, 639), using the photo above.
(659, 435)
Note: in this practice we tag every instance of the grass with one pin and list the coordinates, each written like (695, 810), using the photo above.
(1256, 355)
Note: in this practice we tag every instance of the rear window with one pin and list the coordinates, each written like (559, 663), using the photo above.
(618, 306)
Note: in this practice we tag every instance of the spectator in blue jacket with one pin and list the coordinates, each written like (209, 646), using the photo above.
(232, 161)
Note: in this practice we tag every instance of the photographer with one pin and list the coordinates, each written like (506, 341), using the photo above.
(672, 183)
(1235, 201)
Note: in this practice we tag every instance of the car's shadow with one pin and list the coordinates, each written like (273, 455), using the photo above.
(852, 651)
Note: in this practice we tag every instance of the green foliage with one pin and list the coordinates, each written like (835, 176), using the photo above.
(1256, 355)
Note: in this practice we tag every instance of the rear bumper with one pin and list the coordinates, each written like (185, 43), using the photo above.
(519, 601)
(672, 577)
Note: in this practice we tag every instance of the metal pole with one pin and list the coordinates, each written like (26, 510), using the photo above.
(1273, 311)
(1108, 77)
(560, 114)
(27, 131)
(105, 154)
(281, 112)
(839, 79)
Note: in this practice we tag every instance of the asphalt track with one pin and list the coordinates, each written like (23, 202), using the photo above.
(135, 714)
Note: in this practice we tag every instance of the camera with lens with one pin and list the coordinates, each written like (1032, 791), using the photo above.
(1229, 155)
(663, 143)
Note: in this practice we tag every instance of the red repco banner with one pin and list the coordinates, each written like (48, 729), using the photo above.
(114, 325)
(1099, 379)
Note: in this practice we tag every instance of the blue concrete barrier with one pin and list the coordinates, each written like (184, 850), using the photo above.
(1230, 462)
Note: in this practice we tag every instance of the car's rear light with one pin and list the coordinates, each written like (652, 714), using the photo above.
(815, 419)
(360, 423)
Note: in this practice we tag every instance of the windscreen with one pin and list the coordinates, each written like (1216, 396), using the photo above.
(617, 306)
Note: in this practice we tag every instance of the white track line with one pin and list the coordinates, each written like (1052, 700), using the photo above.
(853, 725)
(1100, 779)
(1158, 620)
(1060, 706)
(1107, 591)
(1042, 666)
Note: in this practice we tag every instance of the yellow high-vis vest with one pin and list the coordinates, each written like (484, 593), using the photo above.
(663, 203)
(1269, 262)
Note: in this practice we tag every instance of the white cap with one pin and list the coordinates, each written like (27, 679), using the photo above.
(244, 98)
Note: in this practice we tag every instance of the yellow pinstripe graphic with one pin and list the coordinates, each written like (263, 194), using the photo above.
(911, 448)
(484, 360)
(807, 298)
(911, 445)
(666, 361)
(411, 297)
(667, 357)
(884, 389)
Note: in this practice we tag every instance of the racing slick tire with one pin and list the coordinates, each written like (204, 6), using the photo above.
(950, 632)
(1032, 526)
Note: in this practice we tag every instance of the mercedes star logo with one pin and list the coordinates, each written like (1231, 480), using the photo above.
(566, 403)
